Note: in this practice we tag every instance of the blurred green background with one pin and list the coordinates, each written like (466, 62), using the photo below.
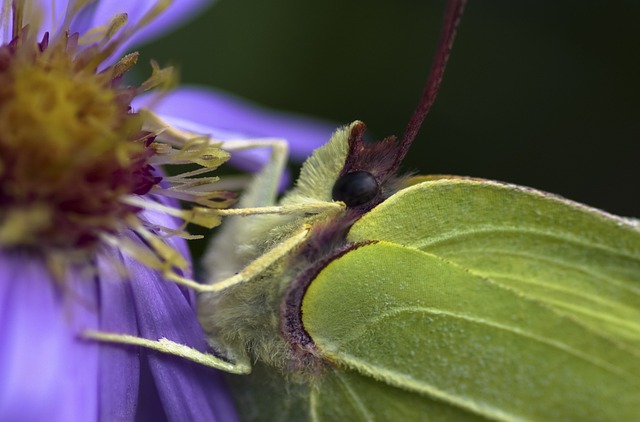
(539, 93)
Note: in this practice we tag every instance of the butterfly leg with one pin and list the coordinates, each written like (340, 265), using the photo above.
(254, 268)
(263, 189)
(163, 345)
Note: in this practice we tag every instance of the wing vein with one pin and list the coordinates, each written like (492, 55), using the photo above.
(406, 382)
(496, 277)
(354, 398)
(432, 311)
(549, 260)
(433, 241)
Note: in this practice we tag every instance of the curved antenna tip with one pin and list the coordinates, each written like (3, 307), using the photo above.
(452, 15)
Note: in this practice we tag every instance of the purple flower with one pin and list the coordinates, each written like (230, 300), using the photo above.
(90, 231)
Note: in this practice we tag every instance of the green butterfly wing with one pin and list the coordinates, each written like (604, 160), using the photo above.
(581, 261)
(480, 300)
(349, 396)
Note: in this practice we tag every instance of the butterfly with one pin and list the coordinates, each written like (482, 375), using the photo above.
(424, 297)
(367, 295)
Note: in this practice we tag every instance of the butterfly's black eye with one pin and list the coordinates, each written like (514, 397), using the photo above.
(355, 188)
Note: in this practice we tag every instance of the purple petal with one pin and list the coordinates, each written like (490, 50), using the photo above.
(217, 112)
(178, 12)
(52, 14)
(48, 373)
(187, 391)
(165, 220)
(119, 365)
(154, 218)
(83, 21)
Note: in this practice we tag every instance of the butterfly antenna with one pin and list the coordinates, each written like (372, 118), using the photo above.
(452, 16)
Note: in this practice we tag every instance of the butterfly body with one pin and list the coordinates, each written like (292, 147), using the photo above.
(424, 298)
(249, 318)
(436, 301)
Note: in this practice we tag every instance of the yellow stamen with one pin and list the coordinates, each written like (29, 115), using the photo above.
(77, 163)
(103, 34)
(163, 78)
(124, 64)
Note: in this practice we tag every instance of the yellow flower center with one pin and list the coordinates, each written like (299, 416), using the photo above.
(77, 165)
(70, 147)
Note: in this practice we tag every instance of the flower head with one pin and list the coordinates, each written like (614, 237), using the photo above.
(89, 226)
(62, 115)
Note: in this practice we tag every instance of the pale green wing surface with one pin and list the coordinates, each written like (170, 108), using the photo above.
(345, 395)
(581, 261)
(423, 326)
